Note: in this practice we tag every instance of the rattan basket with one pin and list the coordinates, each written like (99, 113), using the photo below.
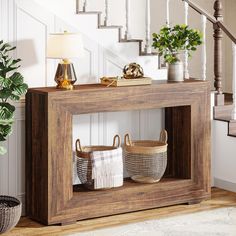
(146, 160)
(84, 160)
(10, 213)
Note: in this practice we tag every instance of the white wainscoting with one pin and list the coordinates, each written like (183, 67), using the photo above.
(27, 25)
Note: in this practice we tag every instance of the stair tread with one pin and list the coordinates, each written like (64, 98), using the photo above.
(89, 12)
(130, 40)
(223, 118)
(149, 54)
(110, 26)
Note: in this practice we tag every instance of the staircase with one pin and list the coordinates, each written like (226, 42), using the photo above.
(127, 38)
(114, 38)
(140, 42)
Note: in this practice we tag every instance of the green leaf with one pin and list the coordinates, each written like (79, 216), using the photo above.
(6, 113)
(17, 78)
(20, 89)
(8, 106)
(173, 40)
(5, 46)
(6, 122)
(5, 93)
(5, 130)
(3, 150)
(5, 82)
(2, 79)
(14, 97)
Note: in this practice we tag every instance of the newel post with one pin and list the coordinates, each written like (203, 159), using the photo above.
(218, 61)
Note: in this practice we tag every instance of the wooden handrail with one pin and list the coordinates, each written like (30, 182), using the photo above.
(201, 11)
(226, 30)
(211, 19)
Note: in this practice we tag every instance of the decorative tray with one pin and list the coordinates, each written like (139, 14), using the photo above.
(119, 82)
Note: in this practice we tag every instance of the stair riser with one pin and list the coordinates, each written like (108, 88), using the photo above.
(232, 128)
(223, 112)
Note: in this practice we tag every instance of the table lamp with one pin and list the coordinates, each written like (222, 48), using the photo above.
(65, 46)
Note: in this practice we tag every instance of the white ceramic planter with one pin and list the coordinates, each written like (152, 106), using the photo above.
(176, 72)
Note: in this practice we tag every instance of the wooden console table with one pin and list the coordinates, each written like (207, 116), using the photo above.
(50, 196)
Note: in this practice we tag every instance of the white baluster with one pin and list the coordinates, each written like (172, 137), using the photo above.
(234, 82)
(106, 13)
(127, 32)
(168, 12)
(186, 72)
(85, 6)
(77, 6)
(204, 55)
(148, 48)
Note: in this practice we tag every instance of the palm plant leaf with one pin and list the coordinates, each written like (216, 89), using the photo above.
(11, 88)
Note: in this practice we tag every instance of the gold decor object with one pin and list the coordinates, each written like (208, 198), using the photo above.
(64, 46)
(121, 82)
(133, 71)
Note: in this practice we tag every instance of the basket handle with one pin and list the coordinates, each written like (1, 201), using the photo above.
(78, 145)
(163, 136)
(128, 140)
(116, 141)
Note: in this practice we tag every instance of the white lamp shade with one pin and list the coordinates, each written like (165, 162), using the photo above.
(65, 46)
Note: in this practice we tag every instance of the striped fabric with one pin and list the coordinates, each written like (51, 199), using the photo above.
(107, 168)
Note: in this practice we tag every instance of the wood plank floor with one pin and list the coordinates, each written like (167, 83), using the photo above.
(220, 199)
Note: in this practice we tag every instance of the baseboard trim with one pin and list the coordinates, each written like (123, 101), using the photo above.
(226, 185)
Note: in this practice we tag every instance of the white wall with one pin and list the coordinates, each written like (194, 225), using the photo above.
(224, 156)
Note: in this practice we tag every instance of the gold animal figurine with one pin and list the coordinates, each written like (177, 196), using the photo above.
(133, 71)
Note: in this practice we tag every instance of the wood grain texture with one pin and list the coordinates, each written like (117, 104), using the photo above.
(51, 198)
(220, 199)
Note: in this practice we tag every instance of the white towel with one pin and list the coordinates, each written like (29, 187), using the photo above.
(107, 168)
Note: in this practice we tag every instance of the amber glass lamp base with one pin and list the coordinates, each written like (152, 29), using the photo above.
(65, 75)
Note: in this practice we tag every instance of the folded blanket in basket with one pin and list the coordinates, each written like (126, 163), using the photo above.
(107, 168)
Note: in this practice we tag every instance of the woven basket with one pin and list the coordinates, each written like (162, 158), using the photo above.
(146, 160)
(84, 162)
(10, 213)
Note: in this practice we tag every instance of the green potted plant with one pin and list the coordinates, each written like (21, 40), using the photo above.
(171, 41)
(12, 87)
